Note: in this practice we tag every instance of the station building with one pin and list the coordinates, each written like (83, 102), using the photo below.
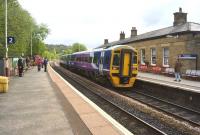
(159, 49)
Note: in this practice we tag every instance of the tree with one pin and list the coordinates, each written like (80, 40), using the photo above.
(68, 51)
(49, 55)
(77, 47)
(21, 26)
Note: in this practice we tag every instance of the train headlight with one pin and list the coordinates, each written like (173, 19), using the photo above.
(115, 68)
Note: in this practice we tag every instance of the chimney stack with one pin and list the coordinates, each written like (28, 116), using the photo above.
(105, 41)
(122, 35)
(180, 17)
(133, 32)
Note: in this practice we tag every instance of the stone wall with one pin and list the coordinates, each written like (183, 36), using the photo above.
(181, 44)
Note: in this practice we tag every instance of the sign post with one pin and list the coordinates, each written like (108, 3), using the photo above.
(10, 40)
(6, 57)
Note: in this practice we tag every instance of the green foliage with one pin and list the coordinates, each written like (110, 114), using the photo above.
(21, 26)
(49, 55)
(59, 48)
(55, 51)
(68, 51)
(77, 47)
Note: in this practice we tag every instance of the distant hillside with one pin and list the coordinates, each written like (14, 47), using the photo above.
(58, 48)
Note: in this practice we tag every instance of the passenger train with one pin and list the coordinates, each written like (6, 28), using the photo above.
(116, 64)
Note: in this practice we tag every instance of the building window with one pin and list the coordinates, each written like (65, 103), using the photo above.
(153, 56)
(165, 56)
(142, 55)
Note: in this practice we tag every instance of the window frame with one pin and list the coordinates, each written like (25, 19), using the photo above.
(142, 57)
(165, 57)
(114, 61)
(152, 55)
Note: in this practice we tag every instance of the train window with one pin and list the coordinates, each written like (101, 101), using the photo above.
(134, 58)
(72, 58)
(106, 60)
(116, 59)
(87, 59)
(95, 60)
(117, 51)
(90, 60)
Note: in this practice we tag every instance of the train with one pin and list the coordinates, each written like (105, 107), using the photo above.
(117, 65)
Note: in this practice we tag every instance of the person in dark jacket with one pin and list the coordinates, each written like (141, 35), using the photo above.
(177, 70)
(20, 66)
(45, 62)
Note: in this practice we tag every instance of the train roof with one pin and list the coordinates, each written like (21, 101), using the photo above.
(113, 47)
(82, 52)
(101, 49)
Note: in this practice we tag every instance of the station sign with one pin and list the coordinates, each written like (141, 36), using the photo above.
(10, 40)
(187, 56)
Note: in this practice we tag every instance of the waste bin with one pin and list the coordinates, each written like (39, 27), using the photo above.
(3, 84)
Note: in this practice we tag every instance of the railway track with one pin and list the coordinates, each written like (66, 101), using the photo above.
(127, 119)
(183, 113)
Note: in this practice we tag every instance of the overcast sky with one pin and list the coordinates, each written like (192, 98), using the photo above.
(91, 21)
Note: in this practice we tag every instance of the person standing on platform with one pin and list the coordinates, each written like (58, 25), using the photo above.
(39, 64)
(177, 69)
(42, 61)
(27, 62)
(45, 62)
(20, 66)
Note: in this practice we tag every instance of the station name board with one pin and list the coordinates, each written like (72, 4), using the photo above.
(187, 56)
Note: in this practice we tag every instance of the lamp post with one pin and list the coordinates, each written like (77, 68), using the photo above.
(31, 45)
(6, 42)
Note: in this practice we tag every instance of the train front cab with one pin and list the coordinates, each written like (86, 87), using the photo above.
(124, 67)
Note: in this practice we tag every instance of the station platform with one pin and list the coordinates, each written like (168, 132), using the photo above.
(43, 103)
(169, 81)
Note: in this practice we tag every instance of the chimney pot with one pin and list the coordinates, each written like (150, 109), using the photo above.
(122, 35)
(133, 32)
(180, 10)
(180, 17)
(105, 41)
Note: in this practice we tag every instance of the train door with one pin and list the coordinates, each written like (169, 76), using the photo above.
(101, 63)
(125, 65)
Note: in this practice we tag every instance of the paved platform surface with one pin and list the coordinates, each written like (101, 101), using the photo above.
(165, 80)
(32, 107)
(96, 120)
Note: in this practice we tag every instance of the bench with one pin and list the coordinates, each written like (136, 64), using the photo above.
(192, 74)
(169, 71)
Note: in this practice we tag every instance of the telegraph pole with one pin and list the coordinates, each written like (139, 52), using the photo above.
(6, 42)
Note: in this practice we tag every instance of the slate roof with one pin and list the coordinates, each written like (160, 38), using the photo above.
(172, 30)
